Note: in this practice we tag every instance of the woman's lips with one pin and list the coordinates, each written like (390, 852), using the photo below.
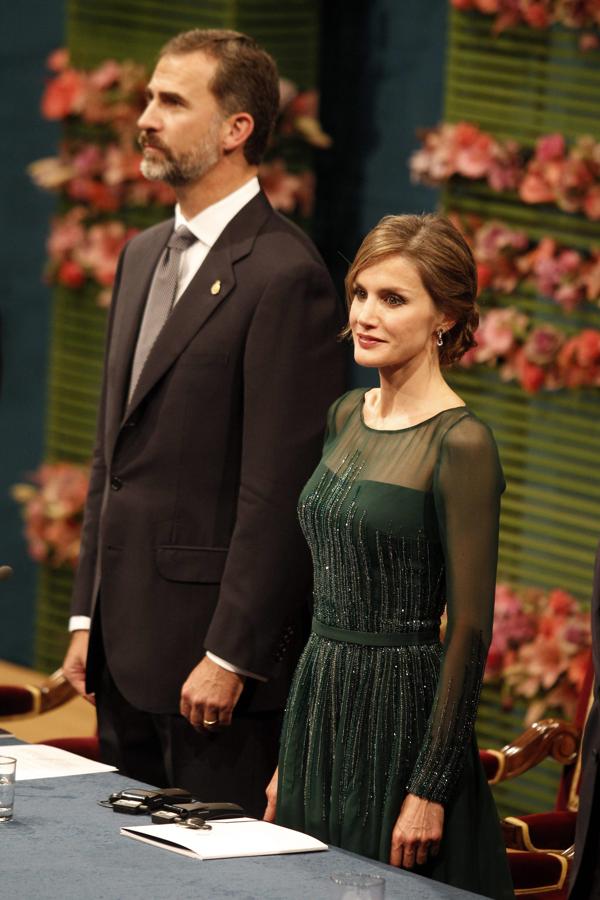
(367, 341)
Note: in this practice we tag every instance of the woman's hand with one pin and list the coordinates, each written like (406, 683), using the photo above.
(417, 832)
(271, 793)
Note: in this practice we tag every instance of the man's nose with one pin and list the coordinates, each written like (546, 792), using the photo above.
(148, 121)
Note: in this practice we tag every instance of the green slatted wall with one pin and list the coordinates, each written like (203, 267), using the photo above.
(135, 29)
(521, 85)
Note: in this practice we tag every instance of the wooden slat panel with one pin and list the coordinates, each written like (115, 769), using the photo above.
(521, 85)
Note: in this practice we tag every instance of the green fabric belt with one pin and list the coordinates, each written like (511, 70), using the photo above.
(374, 638)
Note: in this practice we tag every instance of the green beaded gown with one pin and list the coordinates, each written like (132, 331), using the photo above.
(400, 524)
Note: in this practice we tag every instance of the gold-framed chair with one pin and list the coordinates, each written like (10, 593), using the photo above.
(540, 846)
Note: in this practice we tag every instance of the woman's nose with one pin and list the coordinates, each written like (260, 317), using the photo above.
(367, 313)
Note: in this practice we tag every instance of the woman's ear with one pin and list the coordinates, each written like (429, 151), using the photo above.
(237, 130)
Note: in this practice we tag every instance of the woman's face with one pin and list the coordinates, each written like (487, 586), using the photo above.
(392, 317)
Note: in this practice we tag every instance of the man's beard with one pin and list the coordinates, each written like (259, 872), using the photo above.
(184, 168)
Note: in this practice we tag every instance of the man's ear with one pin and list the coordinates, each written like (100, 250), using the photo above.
(237, 130)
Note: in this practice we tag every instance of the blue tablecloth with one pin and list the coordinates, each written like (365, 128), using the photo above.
(62, 846)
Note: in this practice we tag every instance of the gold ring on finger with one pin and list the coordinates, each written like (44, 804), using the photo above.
(210, 722)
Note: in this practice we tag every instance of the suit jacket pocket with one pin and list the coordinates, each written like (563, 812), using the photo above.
(203, 565)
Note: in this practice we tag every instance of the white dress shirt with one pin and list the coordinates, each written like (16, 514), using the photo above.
(207, 226)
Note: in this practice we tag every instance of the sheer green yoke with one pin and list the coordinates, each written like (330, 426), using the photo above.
(401, 524)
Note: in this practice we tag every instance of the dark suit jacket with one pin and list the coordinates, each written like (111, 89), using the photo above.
(587, 840)
(191, 515)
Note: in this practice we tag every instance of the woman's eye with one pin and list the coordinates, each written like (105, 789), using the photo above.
(360, 293)
(394, 300)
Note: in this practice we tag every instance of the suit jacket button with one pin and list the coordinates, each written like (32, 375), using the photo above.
(596, 753)
(115, 483)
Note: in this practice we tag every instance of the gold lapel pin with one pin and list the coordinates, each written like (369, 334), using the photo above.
(215, 287)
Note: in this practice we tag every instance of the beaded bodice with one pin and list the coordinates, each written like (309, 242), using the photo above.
(401, 524)
(369, 578)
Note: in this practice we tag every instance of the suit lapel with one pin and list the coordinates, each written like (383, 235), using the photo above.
(201, 298)
(135, 284)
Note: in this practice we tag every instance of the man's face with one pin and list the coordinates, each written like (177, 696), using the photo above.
(181, 127)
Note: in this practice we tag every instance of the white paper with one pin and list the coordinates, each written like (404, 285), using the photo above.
(226, 839)
(40, 761)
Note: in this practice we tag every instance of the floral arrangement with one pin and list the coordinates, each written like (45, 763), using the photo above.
(507, 257)
(106, 176)
(537, 356)
(98, 165)
(80, 253)
(53, 512)
(553, 173)
(539, 650)
(540, 14)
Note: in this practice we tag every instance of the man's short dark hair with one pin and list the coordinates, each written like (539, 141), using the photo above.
(246, 79)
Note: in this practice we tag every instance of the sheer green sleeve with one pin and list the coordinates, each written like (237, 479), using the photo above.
(338, 413)
(467, 486)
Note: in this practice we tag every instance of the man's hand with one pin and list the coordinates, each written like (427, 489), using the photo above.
(417, 832)
(271, 792)
(75, 661)
(209, 695)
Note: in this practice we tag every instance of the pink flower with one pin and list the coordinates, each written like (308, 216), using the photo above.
(591, 203)
(63, 95)
(549, 147)
(589, 41)
(53, 512)
(66, 233)
(58, 60)
(535, 189)
(286, 191)
(542, 345)
(105, 75)
(497, 332)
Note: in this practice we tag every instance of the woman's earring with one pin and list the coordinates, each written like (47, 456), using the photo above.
(440, 338)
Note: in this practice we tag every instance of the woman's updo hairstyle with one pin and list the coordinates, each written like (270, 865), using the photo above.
(445, 265)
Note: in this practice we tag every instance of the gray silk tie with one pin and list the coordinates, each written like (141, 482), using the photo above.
(160, 299)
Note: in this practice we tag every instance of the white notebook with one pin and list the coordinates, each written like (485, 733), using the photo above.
(226, 839)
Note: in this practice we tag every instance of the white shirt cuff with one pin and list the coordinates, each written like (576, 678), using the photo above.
(79, 623)
(231, 668)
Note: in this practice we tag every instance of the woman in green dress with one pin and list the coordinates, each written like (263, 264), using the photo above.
(378, 754)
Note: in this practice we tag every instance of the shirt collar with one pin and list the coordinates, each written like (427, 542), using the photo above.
(208, 224)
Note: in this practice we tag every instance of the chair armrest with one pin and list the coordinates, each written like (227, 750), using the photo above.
(33, 699)
(55, 691)
(548, 737)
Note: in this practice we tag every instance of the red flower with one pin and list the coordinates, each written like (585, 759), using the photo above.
(70, 274)
(536, 15)
(485, 276)
(531, 376)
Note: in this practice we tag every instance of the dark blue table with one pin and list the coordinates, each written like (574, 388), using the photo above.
(62, 846)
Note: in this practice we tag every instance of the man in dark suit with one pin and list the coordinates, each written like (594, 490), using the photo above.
(585, 875)
(221, 362)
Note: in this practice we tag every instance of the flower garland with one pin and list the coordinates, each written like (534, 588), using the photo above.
(537, 356)
(539, 14)
(539, 650)
(567, 177)
(507, 257)
(53, 512)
